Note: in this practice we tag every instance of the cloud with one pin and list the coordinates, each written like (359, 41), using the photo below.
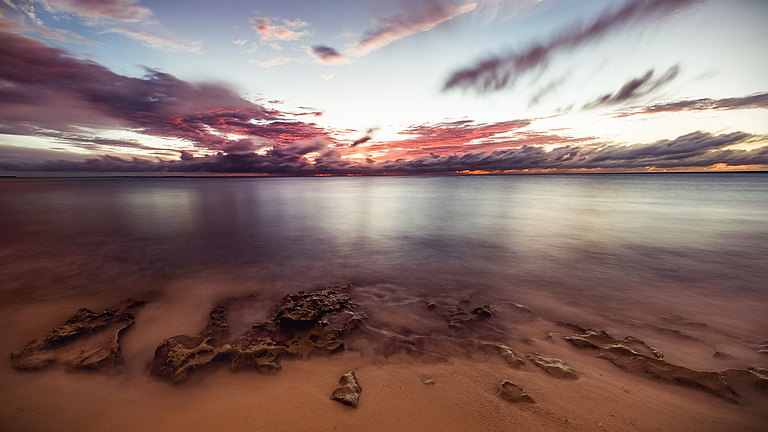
(119, 10)
(367, 137)
(326, 54)
(123, 17)
(755, 101)
(694, 150)
(326, 76)
(497, 72)
(388, 30)
(154, 40)
(48, 33)
(635, 88)
(45, 91)
(284, 30)
(276, 61)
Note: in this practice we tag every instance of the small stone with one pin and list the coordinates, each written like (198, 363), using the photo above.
(428, 381)
(512, 392)
(349, 390)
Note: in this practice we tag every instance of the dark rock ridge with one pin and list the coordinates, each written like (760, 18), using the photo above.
(302, 324)
(754, 376)
(88, 340)
(512, 392)
(620, 352)
(348, 391)
(553, 366)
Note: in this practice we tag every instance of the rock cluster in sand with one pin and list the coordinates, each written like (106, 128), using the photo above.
(88, 340)
(301, 324)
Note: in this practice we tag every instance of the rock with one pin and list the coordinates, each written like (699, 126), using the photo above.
(512, 392)
(505, 351)
(632, 361)
(457, 317)
(302, 324)
(755, 376)
(595, 340)
(348, 391)
(87, 340)
(428, 381)
(622, 353)
(553, 366)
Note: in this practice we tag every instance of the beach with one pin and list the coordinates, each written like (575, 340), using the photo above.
(451, 278)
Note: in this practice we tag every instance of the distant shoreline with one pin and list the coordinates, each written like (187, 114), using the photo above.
(377, 175)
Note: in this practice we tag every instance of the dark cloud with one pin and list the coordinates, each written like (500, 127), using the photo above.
(694, 150)
(635, 88)
(44, 89)
(755, 101)
(367, 137)
(326, 54)
(502, 71)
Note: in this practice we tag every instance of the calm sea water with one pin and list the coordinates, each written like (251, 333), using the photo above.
(581, 242)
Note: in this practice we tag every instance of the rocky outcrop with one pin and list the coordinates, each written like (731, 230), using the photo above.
(755, 376)
(597, 339)
(506, 352)
(553, 366)
(87, 340)
(512, 392)
(624, 354)
(348, 391)
(302, 324)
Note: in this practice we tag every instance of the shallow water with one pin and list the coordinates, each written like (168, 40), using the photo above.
(586, 235)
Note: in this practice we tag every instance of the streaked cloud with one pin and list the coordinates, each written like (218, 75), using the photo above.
(420, 17)
(635, 88)
(755, 101)
(500, 71)
(154, 40)
(388, 30)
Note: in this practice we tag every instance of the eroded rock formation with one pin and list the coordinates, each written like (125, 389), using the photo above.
(512, 392)
(348, 391)
(87, 340)
(303, 323)
(553, 366)
(624, 354)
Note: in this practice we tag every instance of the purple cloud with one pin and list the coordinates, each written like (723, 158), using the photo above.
(502, 71)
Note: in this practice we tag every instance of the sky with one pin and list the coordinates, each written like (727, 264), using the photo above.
(364, 87)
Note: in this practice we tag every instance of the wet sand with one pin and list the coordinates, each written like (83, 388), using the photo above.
(463, 398)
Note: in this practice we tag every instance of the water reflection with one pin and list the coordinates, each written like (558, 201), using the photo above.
(497, 236)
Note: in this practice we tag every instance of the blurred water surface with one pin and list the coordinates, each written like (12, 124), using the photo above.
(595, 240)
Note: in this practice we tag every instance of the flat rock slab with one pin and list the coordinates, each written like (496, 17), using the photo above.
(512, 392)
(623, 354)
(348, 392)
(88, 340)
(302, 324)
(553, 366)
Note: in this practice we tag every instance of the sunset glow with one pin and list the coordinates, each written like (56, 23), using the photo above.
(450, 86)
